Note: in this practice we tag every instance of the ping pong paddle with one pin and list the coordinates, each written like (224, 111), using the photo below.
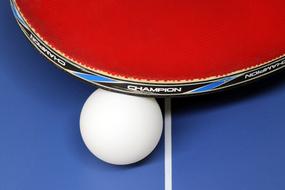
(158, 48)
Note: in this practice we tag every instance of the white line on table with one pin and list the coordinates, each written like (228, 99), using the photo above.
(168, 145)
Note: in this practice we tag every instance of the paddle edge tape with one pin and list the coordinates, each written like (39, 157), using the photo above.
(146, 88)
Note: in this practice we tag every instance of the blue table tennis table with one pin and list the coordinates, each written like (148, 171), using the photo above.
(231, 140)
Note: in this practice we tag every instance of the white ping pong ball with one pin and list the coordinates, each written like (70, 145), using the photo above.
(120, 129)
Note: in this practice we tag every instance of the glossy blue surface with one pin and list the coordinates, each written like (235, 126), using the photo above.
(230, 140)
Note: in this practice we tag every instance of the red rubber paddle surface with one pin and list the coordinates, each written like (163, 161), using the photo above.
(161, 40)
